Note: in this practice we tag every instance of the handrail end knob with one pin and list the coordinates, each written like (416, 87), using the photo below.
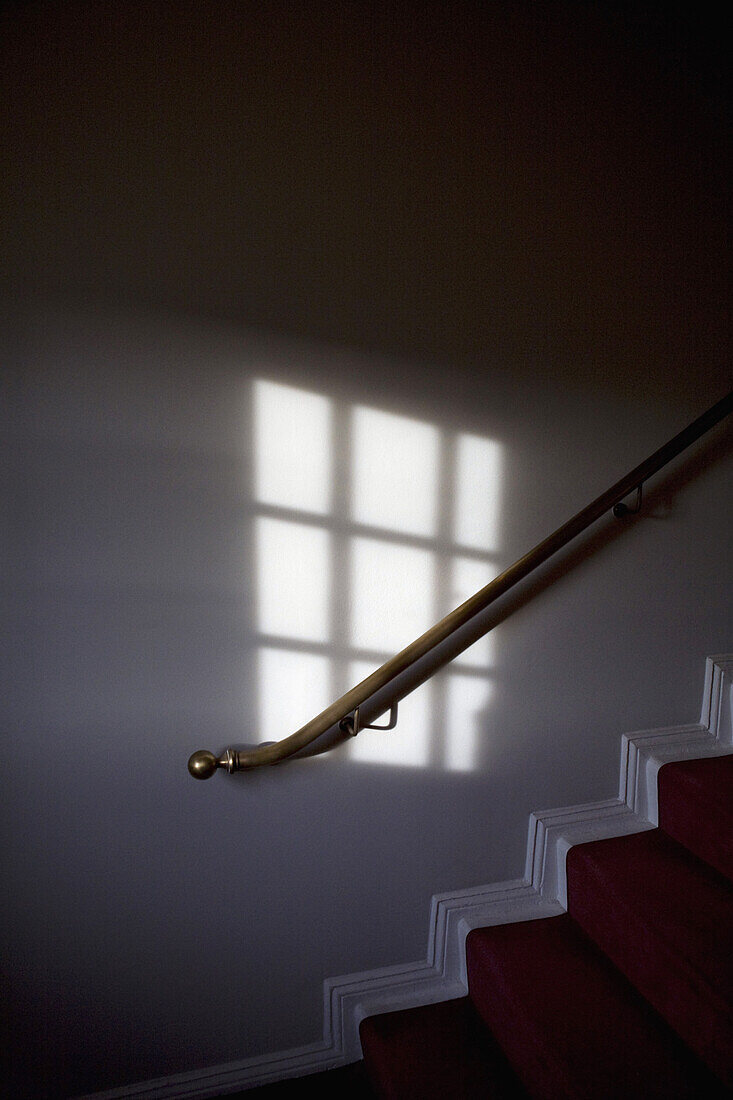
(202, 764)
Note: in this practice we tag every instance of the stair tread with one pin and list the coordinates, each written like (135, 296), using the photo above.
(665, 918)
(629, 993)
(549, 995)
(436, 1051)
(696, 808)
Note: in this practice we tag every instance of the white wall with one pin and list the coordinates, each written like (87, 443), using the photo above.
(506, 228)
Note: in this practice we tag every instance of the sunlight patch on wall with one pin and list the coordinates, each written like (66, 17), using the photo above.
(293, 688)
(477, 491)
(292, 447)
(394, 472)
(468, 576)
(293, 574)
(467, 699)
(386, 612)
(355, 556)
(408, 744)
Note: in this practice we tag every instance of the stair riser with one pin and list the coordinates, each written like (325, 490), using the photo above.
(696, 809)
(569, 1022)
(664, 919)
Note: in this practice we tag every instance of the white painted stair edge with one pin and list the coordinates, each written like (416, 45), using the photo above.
(541, 893)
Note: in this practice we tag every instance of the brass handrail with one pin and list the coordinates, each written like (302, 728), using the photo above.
(203, 763)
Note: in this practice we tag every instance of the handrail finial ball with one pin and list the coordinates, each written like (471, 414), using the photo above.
(202, 764)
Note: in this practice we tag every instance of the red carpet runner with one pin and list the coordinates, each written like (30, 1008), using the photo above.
(628, 996)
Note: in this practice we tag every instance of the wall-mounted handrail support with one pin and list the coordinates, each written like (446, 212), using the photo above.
(204, 763)
(620, 510)
(352, 724)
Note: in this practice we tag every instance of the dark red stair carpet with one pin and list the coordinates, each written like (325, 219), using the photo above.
(664, 918)
(696, 808)
(544, 988)
(628, 995)
(434, 1052)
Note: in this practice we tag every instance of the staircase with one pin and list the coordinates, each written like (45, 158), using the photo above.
(629, 994)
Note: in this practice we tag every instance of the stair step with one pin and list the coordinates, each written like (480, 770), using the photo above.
(572, 1025)
(665, 919)
(629, 994)
(435, 1052)
(696, 808)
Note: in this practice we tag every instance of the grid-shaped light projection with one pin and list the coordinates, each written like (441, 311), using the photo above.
(293, 688)
(293, 591)
(477, 488)
(386, 612)
(467, 699)
(292, 447)
(467, 576)
(408, 745)
(352, 564)
(394, 472)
